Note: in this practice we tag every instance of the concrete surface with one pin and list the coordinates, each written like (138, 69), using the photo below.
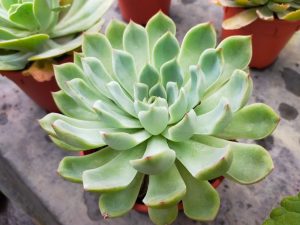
(12, 215)
(28, 160)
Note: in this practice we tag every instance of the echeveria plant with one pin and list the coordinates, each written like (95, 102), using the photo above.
(264, 9)
(33, 30)
(159, 111)
(288, 213)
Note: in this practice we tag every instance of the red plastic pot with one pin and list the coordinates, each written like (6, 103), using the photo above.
(142, 207)
(39, 92)
(268, 37)
(140, 11)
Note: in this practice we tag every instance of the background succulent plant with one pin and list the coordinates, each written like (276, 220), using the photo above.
(162, 111)
(264, 9)
(38, 29)
(288, 213)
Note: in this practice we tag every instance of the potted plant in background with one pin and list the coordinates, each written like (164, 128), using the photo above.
(270, 22)
(140, 11)
(160, 118)
(288, 213)
(36, 34)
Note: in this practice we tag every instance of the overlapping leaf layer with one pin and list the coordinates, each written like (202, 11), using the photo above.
(163, 110)
(39, 29)
(264, 9)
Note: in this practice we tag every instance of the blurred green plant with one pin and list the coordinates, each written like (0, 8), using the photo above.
(264, 9)
(33, 30)
(288, 213)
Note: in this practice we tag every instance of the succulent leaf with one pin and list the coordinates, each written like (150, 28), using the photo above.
(44, 14)
(29, 43)
(197, 39)
(13, 61)
(201, 201)
(163, 216)
(80, 137)
(158, 157)
(219, 117)
(118, 203)
(48, 120)
(265, 13)
(121, 98)
(237, 53)
(97, 74)
(195, 87)
(154, 114)
(250, 164)
(113, 119)
(165, 49)
(162, 113)
(71, 108)
(240, 20)
(125, 70)
(98, 46)
(116, 175)
(63, 145)
(149, 76)
(124, 140)
(165, 189)
(72, 167)
(183, 130)
(290, 16)
(135, 42)
(22, 14)
(202, 161)
(67, 72)
(171, 72)
(114, 33)
(211, 61)
(237, 91)
(158, 26)
(258, 120)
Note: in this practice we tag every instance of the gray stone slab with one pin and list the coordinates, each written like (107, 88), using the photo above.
(31, 159)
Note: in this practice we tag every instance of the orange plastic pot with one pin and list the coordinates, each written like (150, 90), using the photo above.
(142, 207)
(39, 92)
(140, 11)
(268, 37)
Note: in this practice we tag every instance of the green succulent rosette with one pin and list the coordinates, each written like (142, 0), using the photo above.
(288, 213)
(288, 10)
(33, 30)
(159, 111)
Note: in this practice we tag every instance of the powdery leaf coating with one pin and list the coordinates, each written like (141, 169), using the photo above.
(160, 113)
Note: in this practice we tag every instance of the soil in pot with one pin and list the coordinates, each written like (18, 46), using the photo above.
(268, 37)
(140, 11)
(39, 90)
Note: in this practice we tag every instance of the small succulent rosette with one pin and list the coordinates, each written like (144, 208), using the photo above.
(288, 213)
(269, 10)
(162, 112)
(32, 30)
